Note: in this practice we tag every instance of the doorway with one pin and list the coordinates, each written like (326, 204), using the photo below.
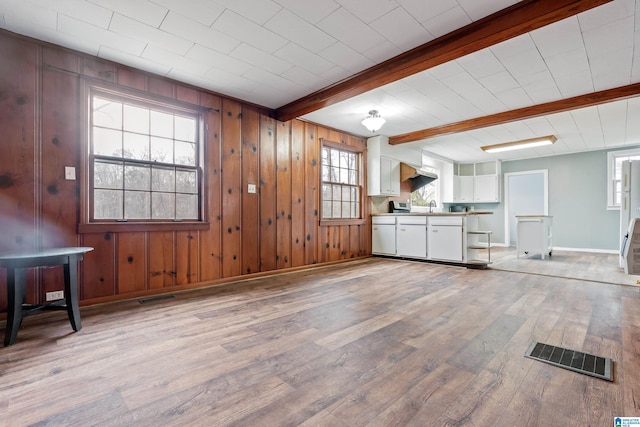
(526, 193)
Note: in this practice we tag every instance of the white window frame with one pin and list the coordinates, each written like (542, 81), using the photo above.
(612, 158)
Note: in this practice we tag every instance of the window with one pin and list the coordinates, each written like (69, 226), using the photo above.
(144, 160)
(614, 174)
(423, 196)
(341, 190)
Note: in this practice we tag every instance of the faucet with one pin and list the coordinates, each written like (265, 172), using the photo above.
(432, 204)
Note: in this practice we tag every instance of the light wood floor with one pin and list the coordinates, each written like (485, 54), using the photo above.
(376, 342)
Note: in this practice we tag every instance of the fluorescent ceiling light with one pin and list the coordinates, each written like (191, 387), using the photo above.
(373, 122)
(517, 145)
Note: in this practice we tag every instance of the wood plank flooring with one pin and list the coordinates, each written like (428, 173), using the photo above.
(375, 342)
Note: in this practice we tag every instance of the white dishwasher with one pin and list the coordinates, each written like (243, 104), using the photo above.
(445, 238)
(411, 236)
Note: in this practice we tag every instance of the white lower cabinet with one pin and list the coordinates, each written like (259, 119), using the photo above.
(411, 236)
(445, 240)
(383, 235)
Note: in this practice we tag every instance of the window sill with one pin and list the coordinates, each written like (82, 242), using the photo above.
(123, 227)
(334, 222)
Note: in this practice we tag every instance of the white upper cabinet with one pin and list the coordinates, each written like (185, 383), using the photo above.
(477, 182)
(383, 173)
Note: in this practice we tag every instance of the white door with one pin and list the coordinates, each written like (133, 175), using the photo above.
(526, 193)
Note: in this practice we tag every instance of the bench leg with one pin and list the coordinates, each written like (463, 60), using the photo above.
(71, 292)
(16, 287)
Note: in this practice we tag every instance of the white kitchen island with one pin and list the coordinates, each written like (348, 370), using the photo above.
(452, 238)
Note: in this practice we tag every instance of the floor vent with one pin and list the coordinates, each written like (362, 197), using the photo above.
(584, 363)
(155, 299)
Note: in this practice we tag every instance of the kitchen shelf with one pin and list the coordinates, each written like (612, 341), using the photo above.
(475, 246)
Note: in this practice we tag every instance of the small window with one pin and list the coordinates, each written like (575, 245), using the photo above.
(144, 162)
(341, 187)
(614, 174)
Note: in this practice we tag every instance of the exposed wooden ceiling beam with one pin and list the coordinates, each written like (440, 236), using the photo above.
(581, 101)
(518, 19)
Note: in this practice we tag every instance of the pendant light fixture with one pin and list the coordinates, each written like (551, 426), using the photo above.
(373, 121)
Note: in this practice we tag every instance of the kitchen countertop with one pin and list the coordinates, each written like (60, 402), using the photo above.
(435, 213)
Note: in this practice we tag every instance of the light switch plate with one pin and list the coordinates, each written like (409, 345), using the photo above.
(69, 173)
(251, 188)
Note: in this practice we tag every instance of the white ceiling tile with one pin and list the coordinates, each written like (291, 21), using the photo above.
(249, 32)
(613, 117)
(524, 64)
(632, 128)
(266, 78)
(79, 9)
(140, 10)
(204, 55)
(514, 98)
(446, 70)
(370, 10)
(599, 40)
(182, 26)
(258, 58)
(575, 84)
(612, 69)
(424, 10)
(401, 29)
(304, 78)
(84, 45)
(301, 57)
(540, 126)
(569, 62)
(481, 63)
(256, 11)
(146, 34)
(311, 11)
(335, 74)
(514, 46)
(23, 15)
(499, 82)
(230, 83)
(588, 122)
(560, 37)
(157, 54)
(296, 29)
(133, 61)
(520, 130)
(339, 53)
(606, 14)
(202, 11)
(540, 87)
(381, 52)
(75, 28)
(480, 9)
(347, 28)
(446, 22)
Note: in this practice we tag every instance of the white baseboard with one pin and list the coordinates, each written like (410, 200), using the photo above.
(556, 248)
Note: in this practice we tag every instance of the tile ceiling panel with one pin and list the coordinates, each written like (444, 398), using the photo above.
(272, 52)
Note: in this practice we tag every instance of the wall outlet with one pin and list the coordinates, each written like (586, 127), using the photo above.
(69, 173)
(52, 296)
(251, 188)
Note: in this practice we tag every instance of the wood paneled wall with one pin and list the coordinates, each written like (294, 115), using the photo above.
(275, 229)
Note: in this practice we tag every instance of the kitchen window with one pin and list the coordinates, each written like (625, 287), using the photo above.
(424, 196)
(144, 161)
(614, 174)
(341, 182)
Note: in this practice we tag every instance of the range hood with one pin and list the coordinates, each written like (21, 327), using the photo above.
(417, 177)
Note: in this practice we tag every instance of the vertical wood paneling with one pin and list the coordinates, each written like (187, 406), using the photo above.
(210, 240)
(283, 195)
(250, 202)
(267, 194)
(160, 86)
(186, 257)
(132, 266)
(311, 193)
(18, 208)
(161, 260)
(59, 141)
(277, 228)
(98, 278)
(231, 191)
(297, 193)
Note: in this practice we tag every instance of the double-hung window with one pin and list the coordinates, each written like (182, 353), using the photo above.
(144, 160)
(341, 183)
(614, 174)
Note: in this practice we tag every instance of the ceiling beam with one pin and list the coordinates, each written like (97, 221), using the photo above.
(562, 105)
(520, 18)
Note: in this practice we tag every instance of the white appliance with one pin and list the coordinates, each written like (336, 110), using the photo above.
(631, 248)
(630, 201)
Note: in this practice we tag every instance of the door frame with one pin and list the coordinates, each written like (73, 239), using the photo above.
(545, 175)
